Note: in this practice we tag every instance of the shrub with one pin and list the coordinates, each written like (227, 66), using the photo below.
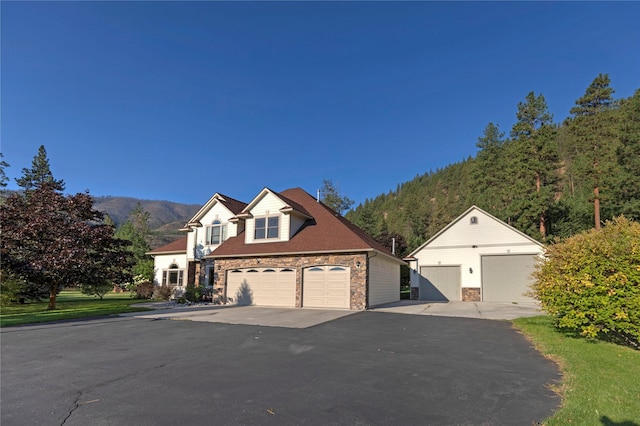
(15, 289)
(591, 283)
(144, 290)
(162, 292)
(192, 293)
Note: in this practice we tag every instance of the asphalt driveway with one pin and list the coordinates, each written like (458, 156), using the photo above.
(364, 368)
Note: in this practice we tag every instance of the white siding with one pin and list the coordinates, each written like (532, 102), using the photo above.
(296, 223)
(384, 281)
(163, 261)
(271, 205)
(196, 240)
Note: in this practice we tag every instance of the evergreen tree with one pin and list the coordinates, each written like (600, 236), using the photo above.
(332, 198)
(593, 128)
(535, 155)
(3, 177)
(490, 182)
(627, 192)
(39, 174)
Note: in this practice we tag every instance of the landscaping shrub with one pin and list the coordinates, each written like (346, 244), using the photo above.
(591, 283)
(144, 290)
(162, 292)
(192, 293)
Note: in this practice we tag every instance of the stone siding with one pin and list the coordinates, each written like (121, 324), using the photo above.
(470, 294)
(415, 293)
(298, 263)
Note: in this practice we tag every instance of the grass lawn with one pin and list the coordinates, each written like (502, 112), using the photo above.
(601, 383)
(70, 304)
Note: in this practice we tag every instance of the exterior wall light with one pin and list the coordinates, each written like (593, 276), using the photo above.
(358, 264)
(471, 270)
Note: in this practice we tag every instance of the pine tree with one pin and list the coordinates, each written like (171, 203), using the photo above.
(3, 177)
(535, 156)
(593, 128)
(39, 174)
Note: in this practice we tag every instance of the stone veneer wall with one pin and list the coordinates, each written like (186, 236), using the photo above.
(415, 293)
(358, 275)
(470, 294)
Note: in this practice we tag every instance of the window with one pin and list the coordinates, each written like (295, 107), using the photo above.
(173, 276)
(216, 233)
(267, 227)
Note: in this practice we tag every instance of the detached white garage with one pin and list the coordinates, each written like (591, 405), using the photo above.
(477, 257)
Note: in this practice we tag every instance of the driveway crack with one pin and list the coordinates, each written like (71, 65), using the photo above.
(76, 405)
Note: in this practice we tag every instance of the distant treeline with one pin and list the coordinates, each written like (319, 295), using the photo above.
(549, 180)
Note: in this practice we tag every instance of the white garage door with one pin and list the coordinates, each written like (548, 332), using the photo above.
(440, 283)
(505, 278)
(262, 287)
(326, 287)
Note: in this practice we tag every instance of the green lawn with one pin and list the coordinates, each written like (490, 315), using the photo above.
(70, 304)
(601, 383)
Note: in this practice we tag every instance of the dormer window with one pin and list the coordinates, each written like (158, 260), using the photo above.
(216, 233)
(267, 227)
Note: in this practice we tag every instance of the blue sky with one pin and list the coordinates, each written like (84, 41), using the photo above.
(177, 101)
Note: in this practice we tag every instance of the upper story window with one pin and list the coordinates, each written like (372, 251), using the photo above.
(216, 233)
(267, 227)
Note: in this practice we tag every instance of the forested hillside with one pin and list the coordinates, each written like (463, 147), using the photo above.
(547, 179)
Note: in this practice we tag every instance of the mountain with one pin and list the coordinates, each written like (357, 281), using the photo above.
(165, 217)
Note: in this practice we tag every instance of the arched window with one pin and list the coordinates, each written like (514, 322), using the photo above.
(173, 276)
(216, 233)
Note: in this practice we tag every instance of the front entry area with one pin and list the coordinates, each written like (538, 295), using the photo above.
(326, 287)
(262, 287)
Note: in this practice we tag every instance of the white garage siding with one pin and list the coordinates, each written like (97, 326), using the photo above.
(326, 287)
(440, 283)
(384, 281)
(262, 287)
(506, 278)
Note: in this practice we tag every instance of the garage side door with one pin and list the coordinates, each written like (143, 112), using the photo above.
(440, 283)
(262, 287)
(326, 287)
(506, 278)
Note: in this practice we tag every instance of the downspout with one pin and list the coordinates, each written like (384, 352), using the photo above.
(375, 253)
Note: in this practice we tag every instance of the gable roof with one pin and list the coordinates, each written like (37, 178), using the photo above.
(462, 216)
(179, 245)
(290, 205)
(233, 205)
(324, 232)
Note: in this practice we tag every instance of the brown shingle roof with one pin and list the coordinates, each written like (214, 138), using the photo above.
(327, 232)
(232, 204)
(172, 247)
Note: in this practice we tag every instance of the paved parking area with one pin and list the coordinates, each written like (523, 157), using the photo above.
(303, 318)
(481, 310)
(365, 368)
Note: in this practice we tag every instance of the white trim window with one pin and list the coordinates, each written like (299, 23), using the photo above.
(216, 233)
(173, 276)
(267, 227)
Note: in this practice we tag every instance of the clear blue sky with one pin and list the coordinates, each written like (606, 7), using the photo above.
(177, 101)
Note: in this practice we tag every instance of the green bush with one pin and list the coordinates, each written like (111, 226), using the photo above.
(192, 293)
(591, 283)
(14, 289)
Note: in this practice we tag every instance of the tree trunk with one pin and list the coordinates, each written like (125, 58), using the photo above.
(53, 292)
(596, 207)
(543, 227)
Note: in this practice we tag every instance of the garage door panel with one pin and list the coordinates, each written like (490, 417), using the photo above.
(262, 287)
(440, 283)
(506, 277)
(326, 287)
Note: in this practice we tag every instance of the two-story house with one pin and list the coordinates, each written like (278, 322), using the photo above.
(289, 249)
(183, 261)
